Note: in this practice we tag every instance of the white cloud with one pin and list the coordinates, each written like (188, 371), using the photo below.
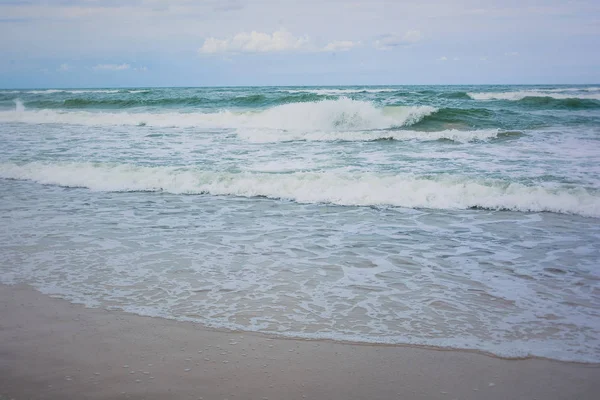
(511, 54)
(444, 58)
(256, 42)
(176, 29)
(112, 67)
(390, 41)
(141, 69)
(64, 68)
(412, 36)
(340, 45)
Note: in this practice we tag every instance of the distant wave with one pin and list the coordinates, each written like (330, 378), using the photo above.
(79, 91)
(110, 103)
(575, 89)
(454, 95)
(335, 187)
(559, 94)
(342, 91)
(340, 114)
(144, 101)
(552, 103)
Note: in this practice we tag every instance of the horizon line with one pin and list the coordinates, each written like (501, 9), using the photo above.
(307, 86)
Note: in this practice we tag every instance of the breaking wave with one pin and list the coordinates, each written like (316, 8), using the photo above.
(341, 92)
(340, 114)
(341, 187)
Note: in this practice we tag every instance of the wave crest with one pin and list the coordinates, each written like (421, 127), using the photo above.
(340, 114)
(342, 91)
(340, 187)
(520, 95)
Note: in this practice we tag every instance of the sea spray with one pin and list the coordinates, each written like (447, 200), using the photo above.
(19, 107)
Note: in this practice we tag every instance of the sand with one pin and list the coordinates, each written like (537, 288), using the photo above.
(52, 349)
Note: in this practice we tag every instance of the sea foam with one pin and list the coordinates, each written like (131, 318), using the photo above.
(78, 91)
(266, 136)
(340, 114)
(339, 92)
(519, 95)
(341, 187)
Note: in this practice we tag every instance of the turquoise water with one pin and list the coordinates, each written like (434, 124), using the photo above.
(452, 216)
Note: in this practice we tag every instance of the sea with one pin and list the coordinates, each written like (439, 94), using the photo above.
(457, 217)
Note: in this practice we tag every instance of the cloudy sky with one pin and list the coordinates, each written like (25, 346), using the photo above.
(101, 43)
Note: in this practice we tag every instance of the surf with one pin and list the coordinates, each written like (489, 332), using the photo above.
(339, 187)
(521, 94)
(340, 114)
(454, 135)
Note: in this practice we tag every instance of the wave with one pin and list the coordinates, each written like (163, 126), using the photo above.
(79, 91)
(568, 104)
(341, 114)
(135, 102)
(300, 98)
(269, 136)
(462, 116)
(129, 102)
(522, 94)
(576, 89)
(338, 92)
(341, 187)
(454, 95)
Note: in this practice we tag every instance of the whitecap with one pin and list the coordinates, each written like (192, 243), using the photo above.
(341, 187)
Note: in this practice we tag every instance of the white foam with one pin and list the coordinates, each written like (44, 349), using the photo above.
(340, 187)
(580, 89)
(77, 91)
(53, 91)
(341, 114)
(266, 136)
(19, 107)
(337, 92)
(519, 95)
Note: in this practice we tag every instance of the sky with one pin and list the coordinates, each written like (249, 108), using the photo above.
(133, 43)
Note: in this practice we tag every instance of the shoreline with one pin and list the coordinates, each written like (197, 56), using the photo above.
(282, 336)
(54, 349)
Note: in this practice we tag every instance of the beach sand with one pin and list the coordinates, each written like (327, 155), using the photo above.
(52, 349)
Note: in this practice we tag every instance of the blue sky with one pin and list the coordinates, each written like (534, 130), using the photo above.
(102, 43)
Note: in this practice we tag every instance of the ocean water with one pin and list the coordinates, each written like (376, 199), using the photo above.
(462, 217)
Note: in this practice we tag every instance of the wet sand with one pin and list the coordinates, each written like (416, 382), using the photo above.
(51, 349)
